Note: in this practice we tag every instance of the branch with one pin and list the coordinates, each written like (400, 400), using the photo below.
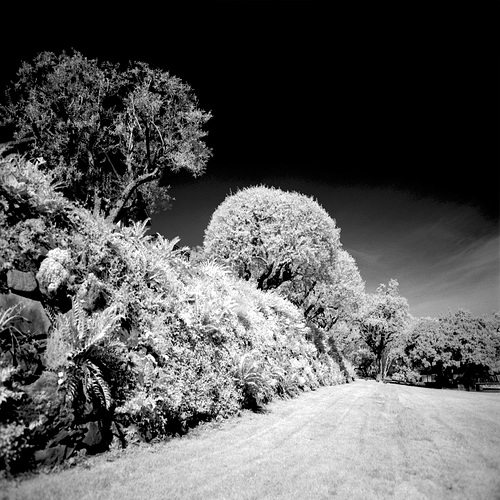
(116, 214)
(5, 146)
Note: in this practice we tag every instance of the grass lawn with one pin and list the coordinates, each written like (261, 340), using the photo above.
(363, 440)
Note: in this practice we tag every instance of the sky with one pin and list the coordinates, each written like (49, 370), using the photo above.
(387, 113)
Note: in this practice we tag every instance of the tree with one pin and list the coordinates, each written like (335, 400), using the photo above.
(457, 345)
(382, 319)
(111, 137)
(338, 299)
(280, 240)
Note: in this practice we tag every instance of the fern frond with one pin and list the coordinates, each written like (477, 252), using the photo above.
(51, 314)
(103, 325)
(80, 321)
(213, 270)
(97, 386)
(72, 384)
(249, 373)
(64, 325)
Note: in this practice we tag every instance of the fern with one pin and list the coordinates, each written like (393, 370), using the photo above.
(102, 326)
(95, 388)
(250, 379)
(83, 378)
(213, 270)
(80, 322)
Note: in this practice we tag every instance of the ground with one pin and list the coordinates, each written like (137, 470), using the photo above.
(362, 440)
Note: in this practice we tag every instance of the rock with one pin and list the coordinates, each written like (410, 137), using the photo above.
(37, 323)
(93, 437)
(54, 455)
(98, 436)
(19, 281)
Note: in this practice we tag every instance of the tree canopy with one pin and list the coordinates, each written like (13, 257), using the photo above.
(382, 319)
(281, 240)
(458, 343)
(110, 137)
(338, 299)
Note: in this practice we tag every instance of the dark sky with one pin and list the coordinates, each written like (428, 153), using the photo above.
(386, 112)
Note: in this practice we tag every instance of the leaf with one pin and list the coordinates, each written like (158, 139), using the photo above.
(80, 321)
(103, 325)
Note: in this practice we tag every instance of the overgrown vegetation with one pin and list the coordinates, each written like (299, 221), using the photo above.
(143, 343)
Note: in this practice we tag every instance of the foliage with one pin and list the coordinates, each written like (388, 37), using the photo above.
(33, 215)
(9, 333)
(458, 345)
(382, 319)
(109, 136)
(250, 379)
(16, 434)
(149, 340)
(279, 240)
(79, 373)
(17, 346)
(338, 299)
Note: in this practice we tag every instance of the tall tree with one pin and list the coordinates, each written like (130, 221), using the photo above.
(280, 240)
(383, 317)
(111, 137)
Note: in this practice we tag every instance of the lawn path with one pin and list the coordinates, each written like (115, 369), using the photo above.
(357, 441)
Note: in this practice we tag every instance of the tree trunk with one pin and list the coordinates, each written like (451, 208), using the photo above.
(97, 204)
(117, 213)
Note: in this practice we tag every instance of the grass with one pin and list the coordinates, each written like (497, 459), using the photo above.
(361, 440)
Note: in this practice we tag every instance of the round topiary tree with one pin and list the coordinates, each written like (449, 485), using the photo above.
(281, 240)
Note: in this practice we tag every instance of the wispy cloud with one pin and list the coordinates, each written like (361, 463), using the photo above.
(467, 278)
(445, 256)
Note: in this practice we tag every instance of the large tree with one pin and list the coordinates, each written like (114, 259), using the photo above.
(110, 137)
(382, 319)
(456, 345)
(280, 240)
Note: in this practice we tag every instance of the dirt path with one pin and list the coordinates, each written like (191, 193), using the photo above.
(363, 440)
